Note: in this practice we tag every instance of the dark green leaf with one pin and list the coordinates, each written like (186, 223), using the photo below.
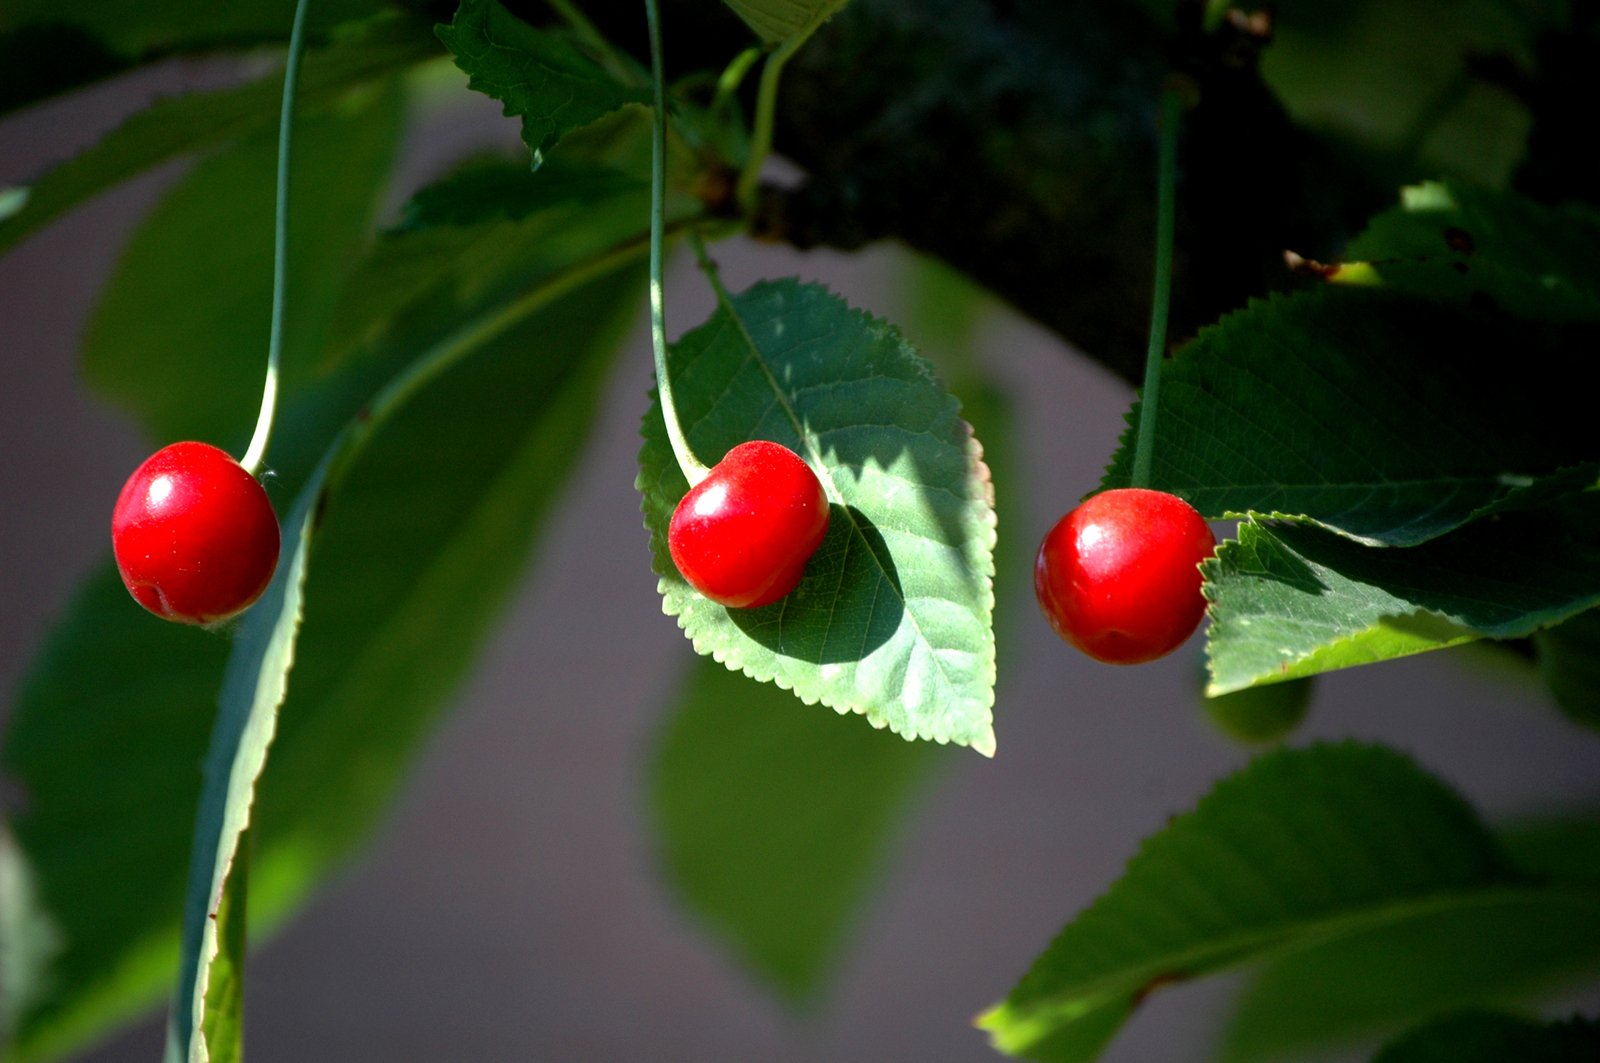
(1569, 661)
(894, 616)
(1385, 417)
(1302, 846)
(451, 263)
(182, 124)
(1452, 241)
(1293, 601)
(190, 305)
(772, 821)
(540, 76)
(1493, 946)
(74, 718)
(1261, 714)
(1487, 1037)
(134, 28)
(1561, 848)
(461, 478)
(498, 189)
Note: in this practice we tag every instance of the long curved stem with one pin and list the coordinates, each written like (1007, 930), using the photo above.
(693, 469)
(257, 450)
(1172, 104)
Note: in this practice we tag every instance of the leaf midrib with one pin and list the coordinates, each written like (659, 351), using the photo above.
(726, 303)
(1256, 945)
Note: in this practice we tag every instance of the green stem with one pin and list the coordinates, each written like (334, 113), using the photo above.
(693, 470)
(732, 77)
(767, 103)
(1166, 196)
(257, 451)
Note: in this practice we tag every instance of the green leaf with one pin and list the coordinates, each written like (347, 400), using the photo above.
(128, 701)
(461, 254)
(1495, 947)
(1383, 416)
(491, 479)
(499, 189)
(1459, 242)
(134, 28)
(28, 938)
(893, 619)
(1261, 714)
(182, 124)
(772, 822)
(1563, 848)
(224, 1007)
(193, 307)
(254, 685)
(776, 21)
(1487, 1037)
(1292, 601)
(1302, 846)
(1569, 661)
(540, 76)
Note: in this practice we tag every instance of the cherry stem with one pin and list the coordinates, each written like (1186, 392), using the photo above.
(1172, 103)
(693, 469)
(257, 451)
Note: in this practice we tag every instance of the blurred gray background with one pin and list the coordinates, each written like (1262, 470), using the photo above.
(510, 907)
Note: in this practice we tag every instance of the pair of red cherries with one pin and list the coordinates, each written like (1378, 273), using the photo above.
(196, 541)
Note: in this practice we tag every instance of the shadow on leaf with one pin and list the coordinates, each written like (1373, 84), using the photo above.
(849, 603)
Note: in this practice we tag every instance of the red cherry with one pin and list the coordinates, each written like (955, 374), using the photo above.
(194, 535)
(1117, 576)
(742, 536)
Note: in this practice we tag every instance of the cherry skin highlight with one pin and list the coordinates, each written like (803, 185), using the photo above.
(194, 535)
(1118, 577)
(742, 536)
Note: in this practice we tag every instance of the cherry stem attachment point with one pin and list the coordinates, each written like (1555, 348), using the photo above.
(693, 469)
(257, 451)
(1172, 106)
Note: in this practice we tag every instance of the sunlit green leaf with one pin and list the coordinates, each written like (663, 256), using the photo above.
(893, 618)
(1293, 601)
(1303, 846)
(1383, 416)
(773, 820)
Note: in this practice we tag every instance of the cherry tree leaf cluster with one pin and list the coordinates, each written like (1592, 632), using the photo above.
(1400, 489)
